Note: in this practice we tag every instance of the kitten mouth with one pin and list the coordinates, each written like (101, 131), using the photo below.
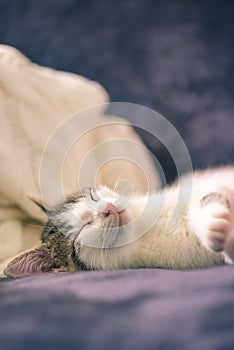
(111, 211)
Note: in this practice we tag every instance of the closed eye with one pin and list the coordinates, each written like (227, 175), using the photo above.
(93, 195)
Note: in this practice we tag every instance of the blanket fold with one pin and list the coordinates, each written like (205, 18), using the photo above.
(34, 102)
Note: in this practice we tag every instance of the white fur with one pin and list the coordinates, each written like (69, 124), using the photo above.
(202, 237)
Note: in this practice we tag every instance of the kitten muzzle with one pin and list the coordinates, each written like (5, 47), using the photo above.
(110, 209)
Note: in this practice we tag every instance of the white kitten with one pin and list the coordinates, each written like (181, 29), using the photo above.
(187, 225)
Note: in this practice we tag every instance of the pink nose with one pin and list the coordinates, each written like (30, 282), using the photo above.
(110, 209)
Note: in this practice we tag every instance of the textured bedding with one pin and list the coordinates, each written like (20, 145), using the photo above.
(127, 310)
(173, 56)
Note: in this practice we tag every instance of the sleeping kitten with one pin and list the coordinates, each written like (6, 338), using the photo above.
(98, 229)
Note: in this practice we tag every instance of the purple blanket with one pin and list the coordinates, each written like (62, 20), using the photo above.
(129, 309)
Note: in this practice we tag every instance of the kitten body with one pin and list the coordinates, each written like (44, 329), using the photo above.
(188, 225)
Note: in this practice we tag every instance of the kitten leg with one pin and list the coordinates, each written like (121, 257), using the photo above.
(212, 224)
(216, 221)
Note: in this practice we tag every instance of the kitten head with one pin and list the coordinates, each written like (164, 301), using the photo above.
(78, 234)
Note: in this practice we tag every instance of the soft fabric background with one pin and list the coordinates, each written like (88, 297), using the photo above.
(173, 56)
(129, 309)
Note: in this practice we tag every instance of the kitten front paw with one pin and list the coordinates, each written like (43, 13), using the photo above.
(216, 225)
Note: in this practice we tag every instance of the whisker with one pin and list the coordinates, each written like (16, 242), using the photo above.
(33, 225)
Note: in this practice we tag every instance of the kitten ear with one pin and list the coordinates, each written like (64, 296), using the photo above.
(37, 199)
(34, 261)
